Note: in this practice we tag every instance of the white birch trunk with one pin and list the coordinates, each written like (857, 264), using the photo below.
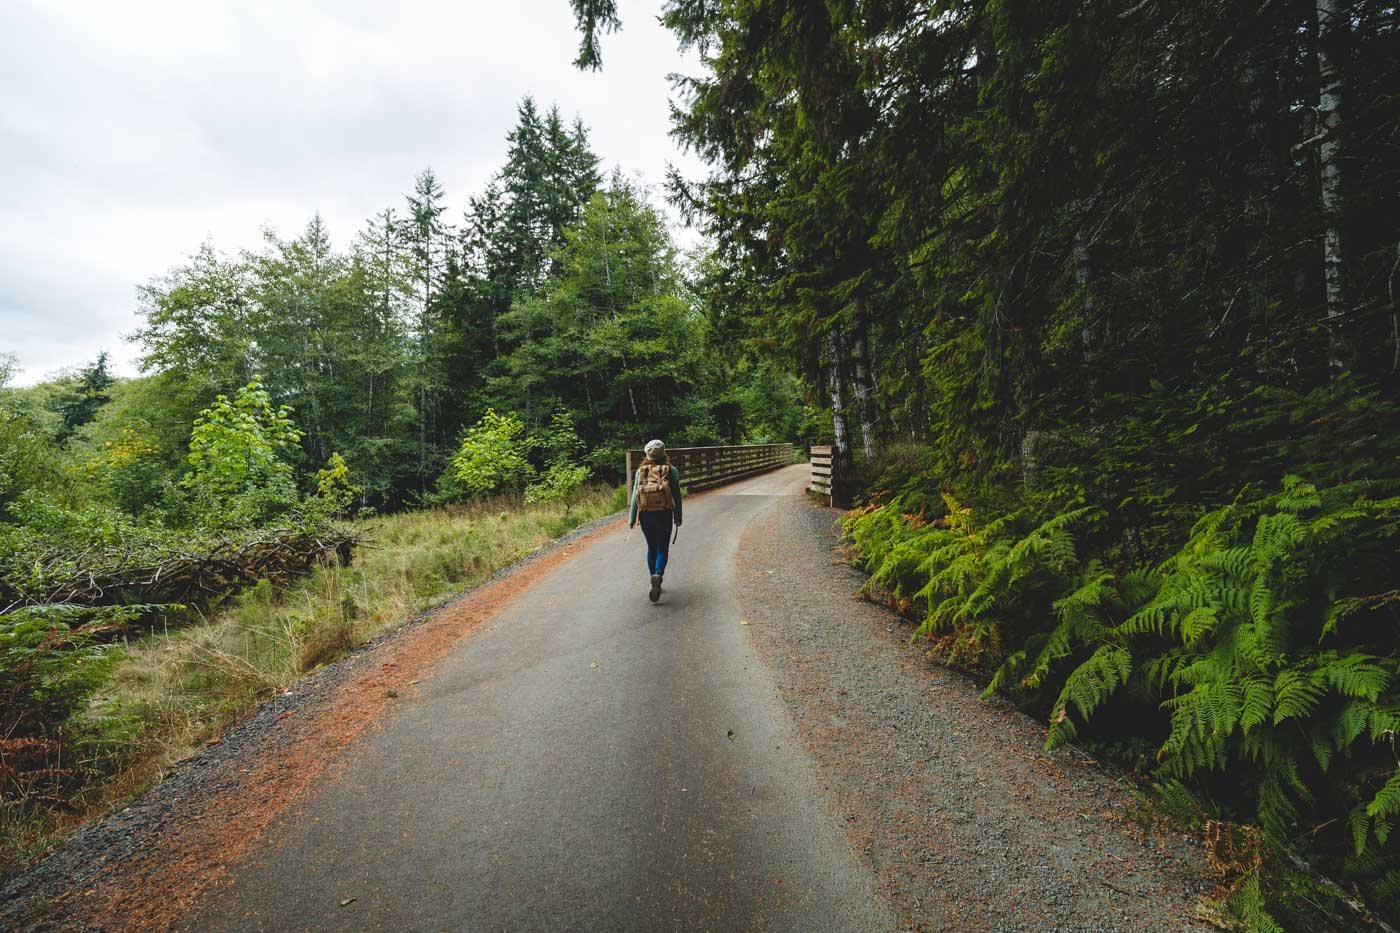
(865, 408)
(1331, 20)
(838, 405)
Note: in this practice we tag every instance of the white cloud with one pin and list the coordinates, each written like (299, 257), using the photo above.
(133, 132)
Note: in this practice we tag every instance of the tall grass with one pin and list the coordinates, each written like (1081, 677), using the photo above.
(170, 692)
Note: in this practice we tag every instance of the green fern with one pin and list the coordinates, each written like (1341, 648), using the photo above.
(1087, 687)
(1297, 693)
(1248, 906)
(1357, 675)
(1386, 803)
(1248, 640)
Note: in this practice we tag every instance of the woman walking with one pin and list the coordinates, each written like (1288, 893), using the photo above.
(656, 500)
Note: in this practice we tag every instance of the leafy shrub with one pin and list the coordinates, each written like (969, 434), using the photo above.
(492, 454)
(563, 478)
(334, 485)
(237, 473)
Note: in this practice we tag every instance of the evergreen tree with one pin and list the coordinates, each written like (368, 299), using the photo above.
(616, 338)
(427, 241)
(86, 393)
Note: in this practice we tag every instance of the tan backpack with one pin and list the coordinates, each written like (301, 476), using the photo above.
(654, 487)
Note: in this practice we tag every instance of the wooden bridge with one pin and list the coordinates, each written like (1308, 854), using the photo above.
(703, 467)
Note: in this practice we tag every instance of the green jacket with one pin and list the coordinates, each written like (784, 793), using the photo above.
(675, 496)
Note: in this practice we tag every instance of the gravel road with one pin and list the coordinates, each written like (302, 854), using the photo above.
(949, 799)
(554, 751)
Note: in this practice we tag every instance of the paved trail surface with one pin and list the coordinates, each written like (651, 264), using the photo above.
(587, 760)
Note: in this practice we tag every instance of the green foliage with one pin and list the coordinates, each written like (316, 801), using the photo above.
(27, 458)
(492, 454)
(974, 580)
(85, 395)
(559, 483)
(333, 484)
(563, 477)
(1261, 655)
(50, 662)
(237, 448)
(1246, 905)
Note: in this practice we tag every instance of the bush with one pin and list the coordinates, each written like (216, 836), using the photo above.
(492, 455)
(237, 473)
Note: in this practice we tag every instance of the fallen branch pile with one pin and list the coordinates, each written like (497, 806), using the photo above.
(188, 572)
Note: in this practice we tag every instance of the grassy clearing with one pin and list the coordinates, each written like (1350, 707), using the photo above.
(171, 692)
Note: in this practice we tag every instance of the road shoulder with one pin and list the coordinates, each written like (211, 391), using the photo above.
(964, 820)
(141, 865)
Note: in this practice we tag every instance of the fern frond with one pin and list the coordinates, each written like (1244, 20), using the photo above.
(1205, 711)
(1176, 799)
(1247, 905)
(1383, 723)
(1006, 673)
(1276, 810)
(1298, 496)
(1198, 623)
(1359, 821)
(1296, 693)
(1357, 675)
(1386, 803)
(1256, 704)
(1087, 687)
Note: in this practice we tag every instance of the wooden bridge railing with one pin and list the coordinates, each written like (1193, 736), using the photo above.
(703, 467)
(821, 472)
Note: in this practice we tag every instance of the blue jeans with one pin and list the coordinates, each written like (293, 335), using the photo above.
(656, 528)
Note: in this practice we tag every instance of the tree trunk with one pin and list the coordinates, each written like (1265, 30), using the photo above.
(841, 447)
(865, 407)
(1331, 26)
(1083, 273)
(1030, 462)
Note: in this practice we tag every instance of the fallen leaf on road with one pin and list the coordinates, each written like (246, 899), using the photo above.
(743, 621)
(391, 694)
(731, 735)
(212, 742)
(284, 714)
(594, 664)
(348, 901)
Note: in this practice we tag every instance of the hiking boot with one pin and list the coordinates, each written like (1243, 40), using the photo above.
(655, 587)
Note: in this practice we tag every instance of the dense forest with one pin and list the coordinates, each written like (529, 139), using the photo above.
(513, 346)
(1103, 301)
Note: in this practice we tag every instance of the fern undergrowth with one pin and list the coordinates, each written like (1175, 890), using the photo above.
(1256, 666)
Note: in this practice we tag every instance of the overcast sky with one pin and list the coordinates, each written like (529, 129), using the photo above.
(132, 132)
